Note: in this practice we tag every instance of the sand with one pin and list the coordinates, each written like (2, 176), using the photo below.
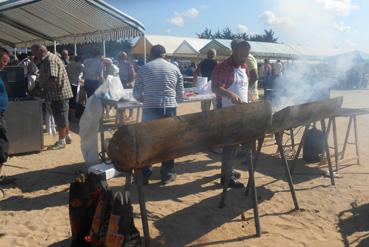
(34, 211)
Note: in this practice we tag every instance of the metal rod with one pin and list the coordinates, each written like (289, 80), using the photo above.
(346, 138)
(104, 48)
(322, 122)
(253, 189)
(141, 199)
(256, 160)
(299, 150)
(278, 138)
(356, 141)
(102, 138)
(335, 141)
(54, 47)
(144, 44)
(75, 49)
(292, 139)
(226, 179)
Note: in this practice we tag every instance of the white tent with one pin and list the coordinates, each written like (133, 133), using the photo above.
(258, 49)
(190, 48)
(24, 22)
(170, 43)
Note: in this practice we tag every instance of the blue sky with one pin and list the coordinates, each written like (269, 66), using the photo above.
(324, 25)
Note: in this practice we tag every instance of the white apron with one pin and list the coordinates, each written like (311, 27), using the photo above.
(240, 87)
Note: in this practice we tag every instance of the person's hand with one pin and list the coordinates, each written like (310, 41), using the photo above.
(235, 98)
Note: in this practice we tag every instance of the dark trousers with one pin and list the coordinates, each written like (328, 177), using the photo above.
(152, 114)
(91, 86)
(228, 156)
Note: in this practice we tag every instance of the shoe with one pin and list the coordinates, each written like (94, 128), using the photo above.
(170, 178)
(68, 139)
(233, 183)
(58, 145)
(5, 180)
(236, 174)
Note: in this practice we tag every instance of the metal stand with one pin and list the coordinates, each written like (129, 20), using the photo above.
(327, 152)
(292, 170)
(278, 138)
(141, 199)
(252, 185)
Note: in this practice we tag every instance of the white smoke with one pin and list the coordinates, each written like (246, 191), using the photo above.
(313, 25)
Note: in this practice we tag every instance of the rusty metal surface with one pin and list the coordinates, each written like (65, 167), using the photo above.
(299, 115)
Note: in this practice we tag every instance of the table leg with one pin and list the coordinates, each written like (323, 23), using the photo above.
(335, 142)
(356, 141)
(141, 198)
(346, 138)
(278, 138)
(324, 129)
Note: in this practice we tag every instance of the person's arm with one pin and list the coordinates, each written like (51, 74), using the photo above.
(218, 86)
(133, 75)
(138, 89)
(253, 77)
(196, 75)
(179, 87)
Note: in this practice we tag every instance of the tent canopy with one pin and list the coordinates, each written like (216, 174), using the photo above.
(170, 43)
(191, 47)
(24, 22)
(258, 49)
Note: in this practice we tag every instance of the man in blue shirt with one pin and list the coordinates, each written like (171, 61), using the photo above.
(4, 145)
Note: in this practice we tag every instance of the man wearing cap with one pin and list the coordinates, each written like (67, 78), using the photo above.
(159, 85)
(230, 80)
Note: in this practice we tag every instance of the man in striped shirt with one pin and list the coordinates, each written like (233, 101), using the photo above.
(159, 85)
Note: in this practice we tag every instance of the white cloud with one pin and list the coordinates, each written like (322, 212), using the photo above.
(339, 7)
(177, 21)
(271, 19)
(167, 31)
(191, 13)
(242, 28)
(341, 27)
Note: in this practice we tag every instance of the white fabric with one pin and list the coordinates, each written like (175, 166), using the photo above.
(240, 87)
(89, 123)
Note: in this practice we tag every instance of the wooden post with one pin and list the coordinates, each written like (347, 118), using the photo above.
(141, 198)
(356, 140)
(104, 48)
(324, 129)
(346, 138)
(335, 141)
(54, 47)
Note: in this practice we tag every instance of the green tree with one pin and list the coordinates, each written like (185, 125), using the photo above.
(226, 33)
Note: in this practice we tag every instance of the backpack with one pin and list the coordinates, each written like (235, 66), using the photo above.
(313, 145)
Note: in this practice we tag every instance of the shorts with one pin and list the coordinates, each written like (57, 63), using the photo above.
(60, 111)
(4, 143)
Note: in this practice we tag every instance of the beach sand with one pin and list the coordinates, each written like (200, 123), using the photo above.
(34, 211)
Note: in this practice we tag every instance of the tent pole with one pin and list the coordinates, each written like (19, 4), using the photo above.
(75, 49)
(15, 52)
(144, 37)
(104, 48)
(54, 47)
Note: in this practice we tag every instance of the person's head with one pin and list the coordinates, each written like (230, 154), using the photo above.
(240, 51)
(157, 51)
(278, 61)
(65, 54)
(266, 61)
(123, 57)
(39, 51)
(4, 57)
(212, 53)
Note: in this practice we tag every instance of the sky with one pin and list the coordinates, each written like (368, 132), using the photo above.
(327, 26)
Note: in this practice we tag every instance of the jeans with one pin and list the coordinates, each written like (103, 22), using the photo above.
(228, 156)
(91, 86)
(152, 114)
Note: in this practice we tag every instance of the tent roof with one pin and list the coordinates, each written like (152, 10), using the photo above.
(353, 56)
(191, 47)
(258, 49)
(24, 22)
(170, 43)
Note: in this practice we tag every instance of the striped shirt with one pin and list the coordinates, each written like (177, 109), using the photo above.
(159, 84)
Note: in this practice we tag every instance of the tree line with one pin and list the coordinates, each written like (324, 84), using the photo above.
(226, 33)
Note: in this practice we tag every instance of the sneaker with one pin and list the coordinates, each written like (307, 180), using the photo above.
(58, 145)
(233, 183)
(68, 139)
(170, 178)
